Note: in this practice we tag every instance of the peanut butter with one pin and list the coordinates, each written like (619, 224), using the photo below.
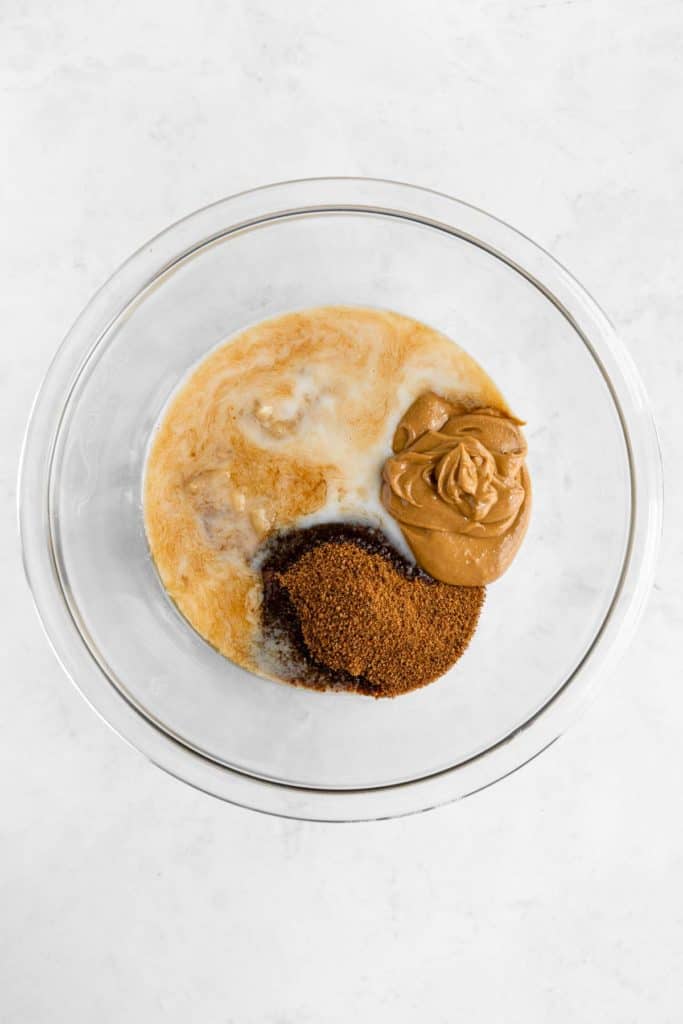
(459, 488)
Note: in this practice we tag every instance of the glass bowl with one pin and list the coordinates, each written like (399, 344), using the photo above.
(550, 628)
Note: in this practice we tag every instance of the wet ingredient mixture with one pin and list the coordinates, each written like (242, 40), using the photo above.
(287, 426)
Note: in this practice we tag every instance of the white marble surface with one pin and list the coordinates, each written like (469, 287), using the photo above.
(556, 895)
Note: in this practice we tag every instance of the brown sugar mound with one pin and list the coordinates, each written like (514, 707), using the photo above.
(361, 616)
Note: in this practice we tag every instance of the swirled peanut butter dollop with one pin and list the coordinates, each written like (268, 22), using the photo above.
(459, 488)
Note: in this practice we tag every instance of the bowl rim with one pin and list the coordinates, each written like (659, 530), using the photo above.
(143, 270)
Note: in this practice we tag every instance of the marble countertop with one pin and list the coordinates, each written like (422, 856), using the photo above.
(555, 895)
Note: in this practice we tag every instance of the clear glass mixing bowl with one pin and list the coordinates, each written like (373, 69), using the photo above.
(550, 627)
